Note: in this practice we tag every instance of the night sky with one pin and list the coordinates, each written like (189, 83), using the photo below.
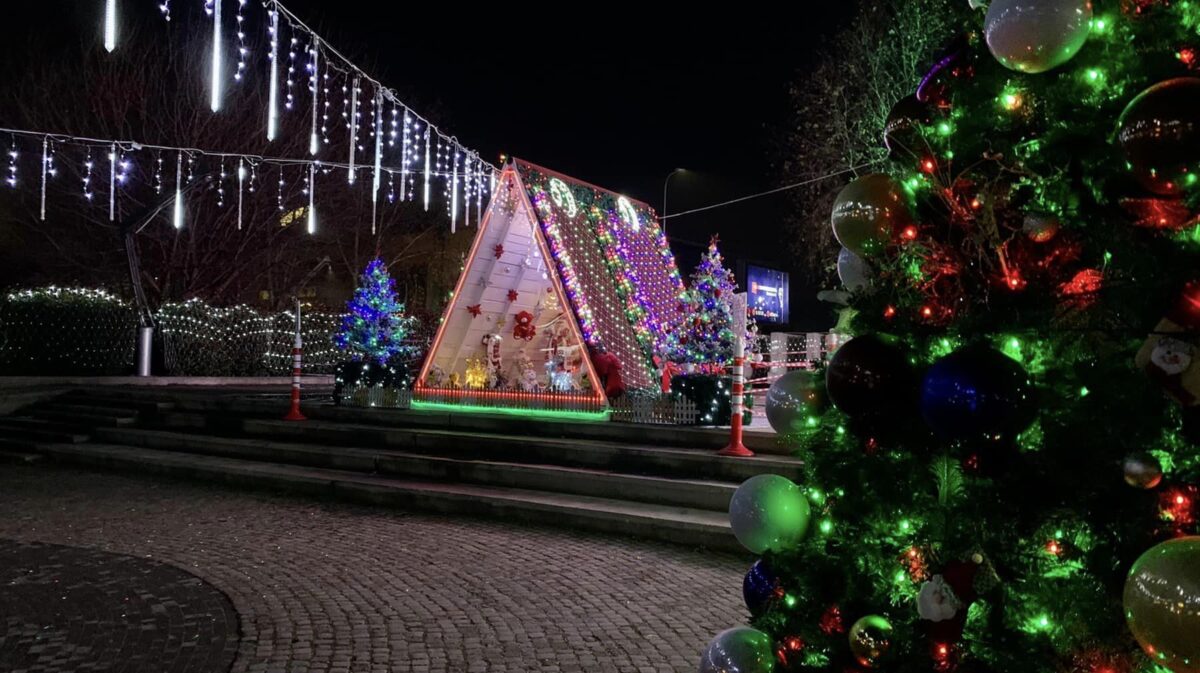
(608, 94)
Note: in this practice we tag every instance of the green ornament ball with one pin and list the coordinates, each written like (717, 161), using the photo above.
(868, 212)
(871, 640)
(769, 513)
(793, 399)
(1162, 604)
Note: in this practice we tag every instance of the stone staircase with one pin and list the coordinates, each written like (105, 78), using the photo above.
(664, 484)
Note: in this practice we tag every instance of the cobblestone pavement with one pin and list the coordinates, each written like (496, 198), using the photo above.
(71, 609)
(338, 588)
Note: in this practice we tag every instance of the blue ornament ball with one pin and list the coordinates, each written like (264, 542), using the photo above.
(978, 392)
(759, 587)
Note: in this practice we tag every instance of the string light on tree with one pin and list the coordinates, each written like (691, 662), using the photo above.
(377, 173)
(291, 71)
(353, 121)
(165, 8)
(405, 154)
(394, 126)
(221, 185)
(279, 191)
(325, 105)
(88, 165)
(13, 154)
(243, 51)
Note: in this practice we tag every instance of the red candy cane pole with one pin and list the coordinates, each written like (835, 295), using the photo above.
(297, 358)
(736, 447)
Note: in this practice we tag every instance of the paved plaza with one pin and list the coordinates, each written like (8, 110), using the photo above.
(213, 579)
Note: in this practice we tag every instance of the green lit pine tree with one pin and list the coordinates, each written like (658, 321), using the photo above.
(1007, 480)
(375, 327)
(705, 334)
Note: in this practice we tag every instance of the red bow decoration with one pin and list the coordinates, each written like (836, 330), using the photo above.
(512, 295)
(669, 371)
(475, 310)
(499, 251)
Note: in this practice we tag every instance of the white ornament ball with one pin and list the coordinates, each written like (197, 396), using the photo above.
(854, 271)
(1034, 36)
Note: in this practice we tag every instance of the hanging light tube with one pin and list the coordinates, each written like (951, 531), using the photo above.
(216, 57)
(110, 25)
(177, 218)
(273, 97)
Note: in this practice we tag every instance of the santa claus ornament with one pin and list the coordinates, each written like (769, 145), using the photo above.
(524, 327)
(1171, 356)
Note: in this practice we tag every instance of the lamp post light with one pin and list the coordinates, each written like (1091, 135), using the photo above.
(666, 183)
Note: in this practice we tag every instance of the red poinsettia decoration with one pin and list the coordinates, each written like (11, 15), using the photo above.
(498, 251)
(475, 310)
(512, 295)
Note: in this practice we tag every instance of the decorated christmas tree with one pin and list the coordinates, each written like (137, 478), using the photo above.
(1007, 478)
(706, 331)
(374, 328)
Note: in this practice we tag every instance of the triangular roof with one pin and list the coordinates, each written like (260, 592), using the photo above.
(598, 256)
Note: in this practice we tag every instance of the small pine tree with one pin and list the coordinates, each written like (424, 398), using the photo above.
(374, 327)
(706, 334)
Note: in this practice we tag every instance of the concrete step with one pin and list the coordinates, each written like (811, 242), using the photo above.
(611, 456)
(317, 406)
(87, 408)
(8, 457)
(38, 430)
(102, 402)
(82, 417)
(678, 525)
(695, 494)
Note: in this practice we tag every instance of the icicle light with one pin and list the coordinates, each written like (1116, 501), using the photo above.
(177, 218)
(273, 97)
(216, 56)
(110, 25)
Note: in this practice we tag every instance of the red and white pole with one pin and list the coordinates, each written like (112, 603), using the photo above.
(297, 358)
(736, 447)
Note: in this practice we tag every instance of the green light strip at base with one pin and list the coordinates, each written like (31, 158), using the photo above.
(556, 414)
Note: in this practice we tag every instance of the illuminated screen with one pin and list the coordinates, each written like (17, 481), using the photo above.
(768, 294)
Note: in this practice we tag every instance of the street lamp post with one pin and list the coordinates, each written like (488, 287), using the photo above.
(666, 183)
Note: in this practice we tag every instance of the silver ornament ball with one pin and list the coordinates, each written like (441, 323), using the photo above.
(1034, 36)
